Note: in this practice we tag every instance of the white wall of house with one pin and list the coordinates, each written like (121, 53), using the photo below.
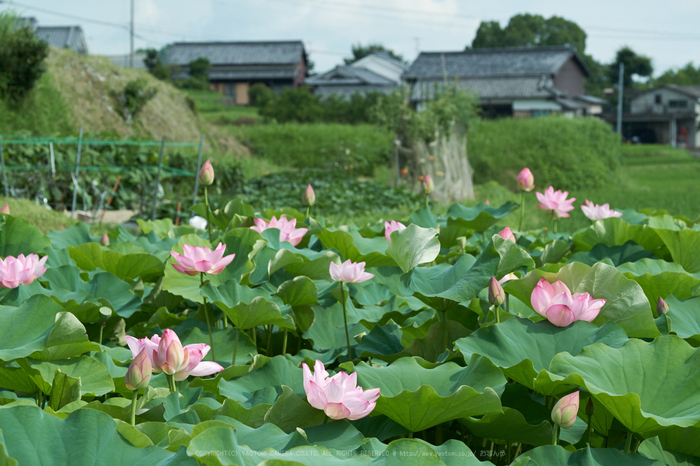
(525, 105)
(664, 100)
(380, 66)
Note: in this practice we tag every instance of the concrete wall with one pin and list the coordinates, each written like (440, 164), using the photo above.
(570, 78)
(646, 103)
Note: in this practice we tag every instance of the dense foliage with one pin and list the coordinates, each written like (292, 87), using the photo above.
(133, 98)
(460, 380)
(22, 56)
(360, 51)
(566, 153)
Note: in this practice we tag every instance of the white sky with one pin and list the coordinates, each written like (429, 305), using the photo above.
(665, 30)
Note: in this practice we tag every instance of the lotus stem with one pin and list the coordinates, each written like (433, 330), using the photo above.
(628, 442)
(235, 347)
(268, 333)
(102, 327)
(445, 332)
(255, 338)
(133, 407)
(522, 210)
(171, 382)
(284, 342)
(206, 206)
(427, 200)
(549, 224)
(206, 315)
(308, 212)
(555, 434)
(345, 319)
(507, 303)
(589, 429)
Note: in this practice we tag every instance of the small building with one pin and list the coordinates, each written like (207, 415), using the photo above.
(124, 61)
(669, 114)
(64, 37)
(521, 82)
(377, 72)
(235, 66)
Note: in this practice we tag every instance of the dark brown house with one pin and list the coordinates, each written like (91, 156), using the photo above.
(520, 82)
(235, 66)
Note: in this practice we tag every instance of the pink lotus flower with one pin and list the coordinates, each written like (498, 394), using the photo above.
(338, 396)
(555, 302)
(556, 201)
(139, 373)
(21, 270)
(168, 355)
(526, 181)
(507, 278)
(507, 233)
(287, 228)
(349, 272)
(196, 259)
(389, 228)
(598, 212)
(565, 410)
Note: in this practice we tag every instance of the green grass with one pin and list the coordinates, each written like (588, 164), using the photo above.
(216, 108)
(42, 218)
(651, 150)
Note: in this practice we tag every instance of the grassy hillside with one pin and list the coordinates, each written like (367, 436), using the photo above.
(80, 91)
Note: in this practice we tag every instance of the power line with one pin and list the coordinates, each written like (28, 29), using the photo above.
(66, 15)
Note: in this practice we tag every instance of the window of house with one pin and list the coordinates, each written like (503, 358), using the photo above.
(677, 103)
(539, 113)
(657, 98)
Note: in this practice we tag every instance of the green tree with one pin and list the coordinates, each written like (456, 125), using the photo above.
(22, 56)
(294, 105)
(689, 75)
(155, 65)
(639, 65)
(359, 51)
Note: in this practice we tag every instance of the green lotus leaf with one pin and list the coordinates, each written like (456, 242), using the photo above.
(652, 449)
(625, 303)
(90, 256)
(661, 279)
(22, 335)
(94, 376)
(684, 317)
(372, 251)
(552, 253)
(290, 412)
(257, 439)
(522, 348)
(418, 398)
(259, 312)
(67, 339)
(423, 217)
(264, 385)
(628, 252)
(300, 291)
(512, 256)
(413, 246)
(616, 232)
(443, 287)
(224, 342)
(85, 437)
(684, 246)
(72, 236)
(620, 379)
(481, 217)
(17, 236)
(551, 455)
(328, 328)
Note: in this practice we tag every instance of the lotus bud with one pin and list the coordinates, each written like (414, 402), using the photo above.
(428, 185)
(104, 240)
(206, 174)
(496, 293)
(5, 209)
(564, 412)
(171, 356)
(507, 233)
(590, 408)
(526, 181)
(486, 201)
(139, 373)
(309, 197)
(661, 306)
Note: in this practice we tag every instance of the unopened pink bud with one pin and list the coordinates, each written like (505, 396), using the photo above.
(526, 181)
(309, 197)
(171, 356)
(496, 293)
(139, 373)
(661, 306)
(428, 185)
(507, 233)
(206, 174)
(104, 240)
(565, 411)
(5, 209)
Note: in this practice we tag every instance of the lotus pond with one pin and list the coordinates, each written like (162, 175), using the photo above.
(460, 380)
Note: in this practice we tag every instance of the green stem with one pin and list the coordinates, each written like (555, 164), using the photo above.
(235, 347)
(206, 315)
(589, 428)
(549, 224)
(445, 333)
(555, 434)
(427, 200)
(410, 434)
(133, 407)
(268, 332)
(345, 319)
(284, 342)
(498, 314)
(507, 303)
(102, 327)
(171, 382)
(438, 435)
(308, 212)
(206, 206)
(628, 442)
(522, 210)
(255, 338)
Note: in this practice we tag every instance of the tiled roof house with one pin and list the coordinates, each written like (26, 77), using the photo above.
(64, 37)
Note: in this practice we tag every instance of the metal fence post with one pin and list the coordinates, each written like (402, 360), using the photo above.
(77, 170)
(155, 190)
(2, 160)
(196, 175)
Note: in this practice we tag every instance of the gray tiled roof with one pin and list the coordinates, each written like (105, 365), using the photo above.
(493, 88)
(236, 53)
(347, 91)
(63, 37)
(693, 91)
(388, 57)
(523, 61)
(346, 75)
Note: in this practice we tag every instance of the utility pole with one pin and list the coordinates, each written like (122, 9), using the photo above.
(620, 83)
(131, 55)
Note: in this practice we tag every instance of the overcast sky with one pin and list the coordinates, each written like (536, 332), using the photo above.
(665, 30)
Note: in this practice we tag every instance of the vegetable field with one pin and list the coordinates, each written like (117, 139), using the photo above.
(277, 337)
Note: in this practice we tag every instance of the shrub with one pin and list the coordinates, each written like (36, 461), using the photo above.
(155, 65)
(298, 105)
(22, 56)
(260, 95)
(357, 148)
(565, 153)
(133, 98)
